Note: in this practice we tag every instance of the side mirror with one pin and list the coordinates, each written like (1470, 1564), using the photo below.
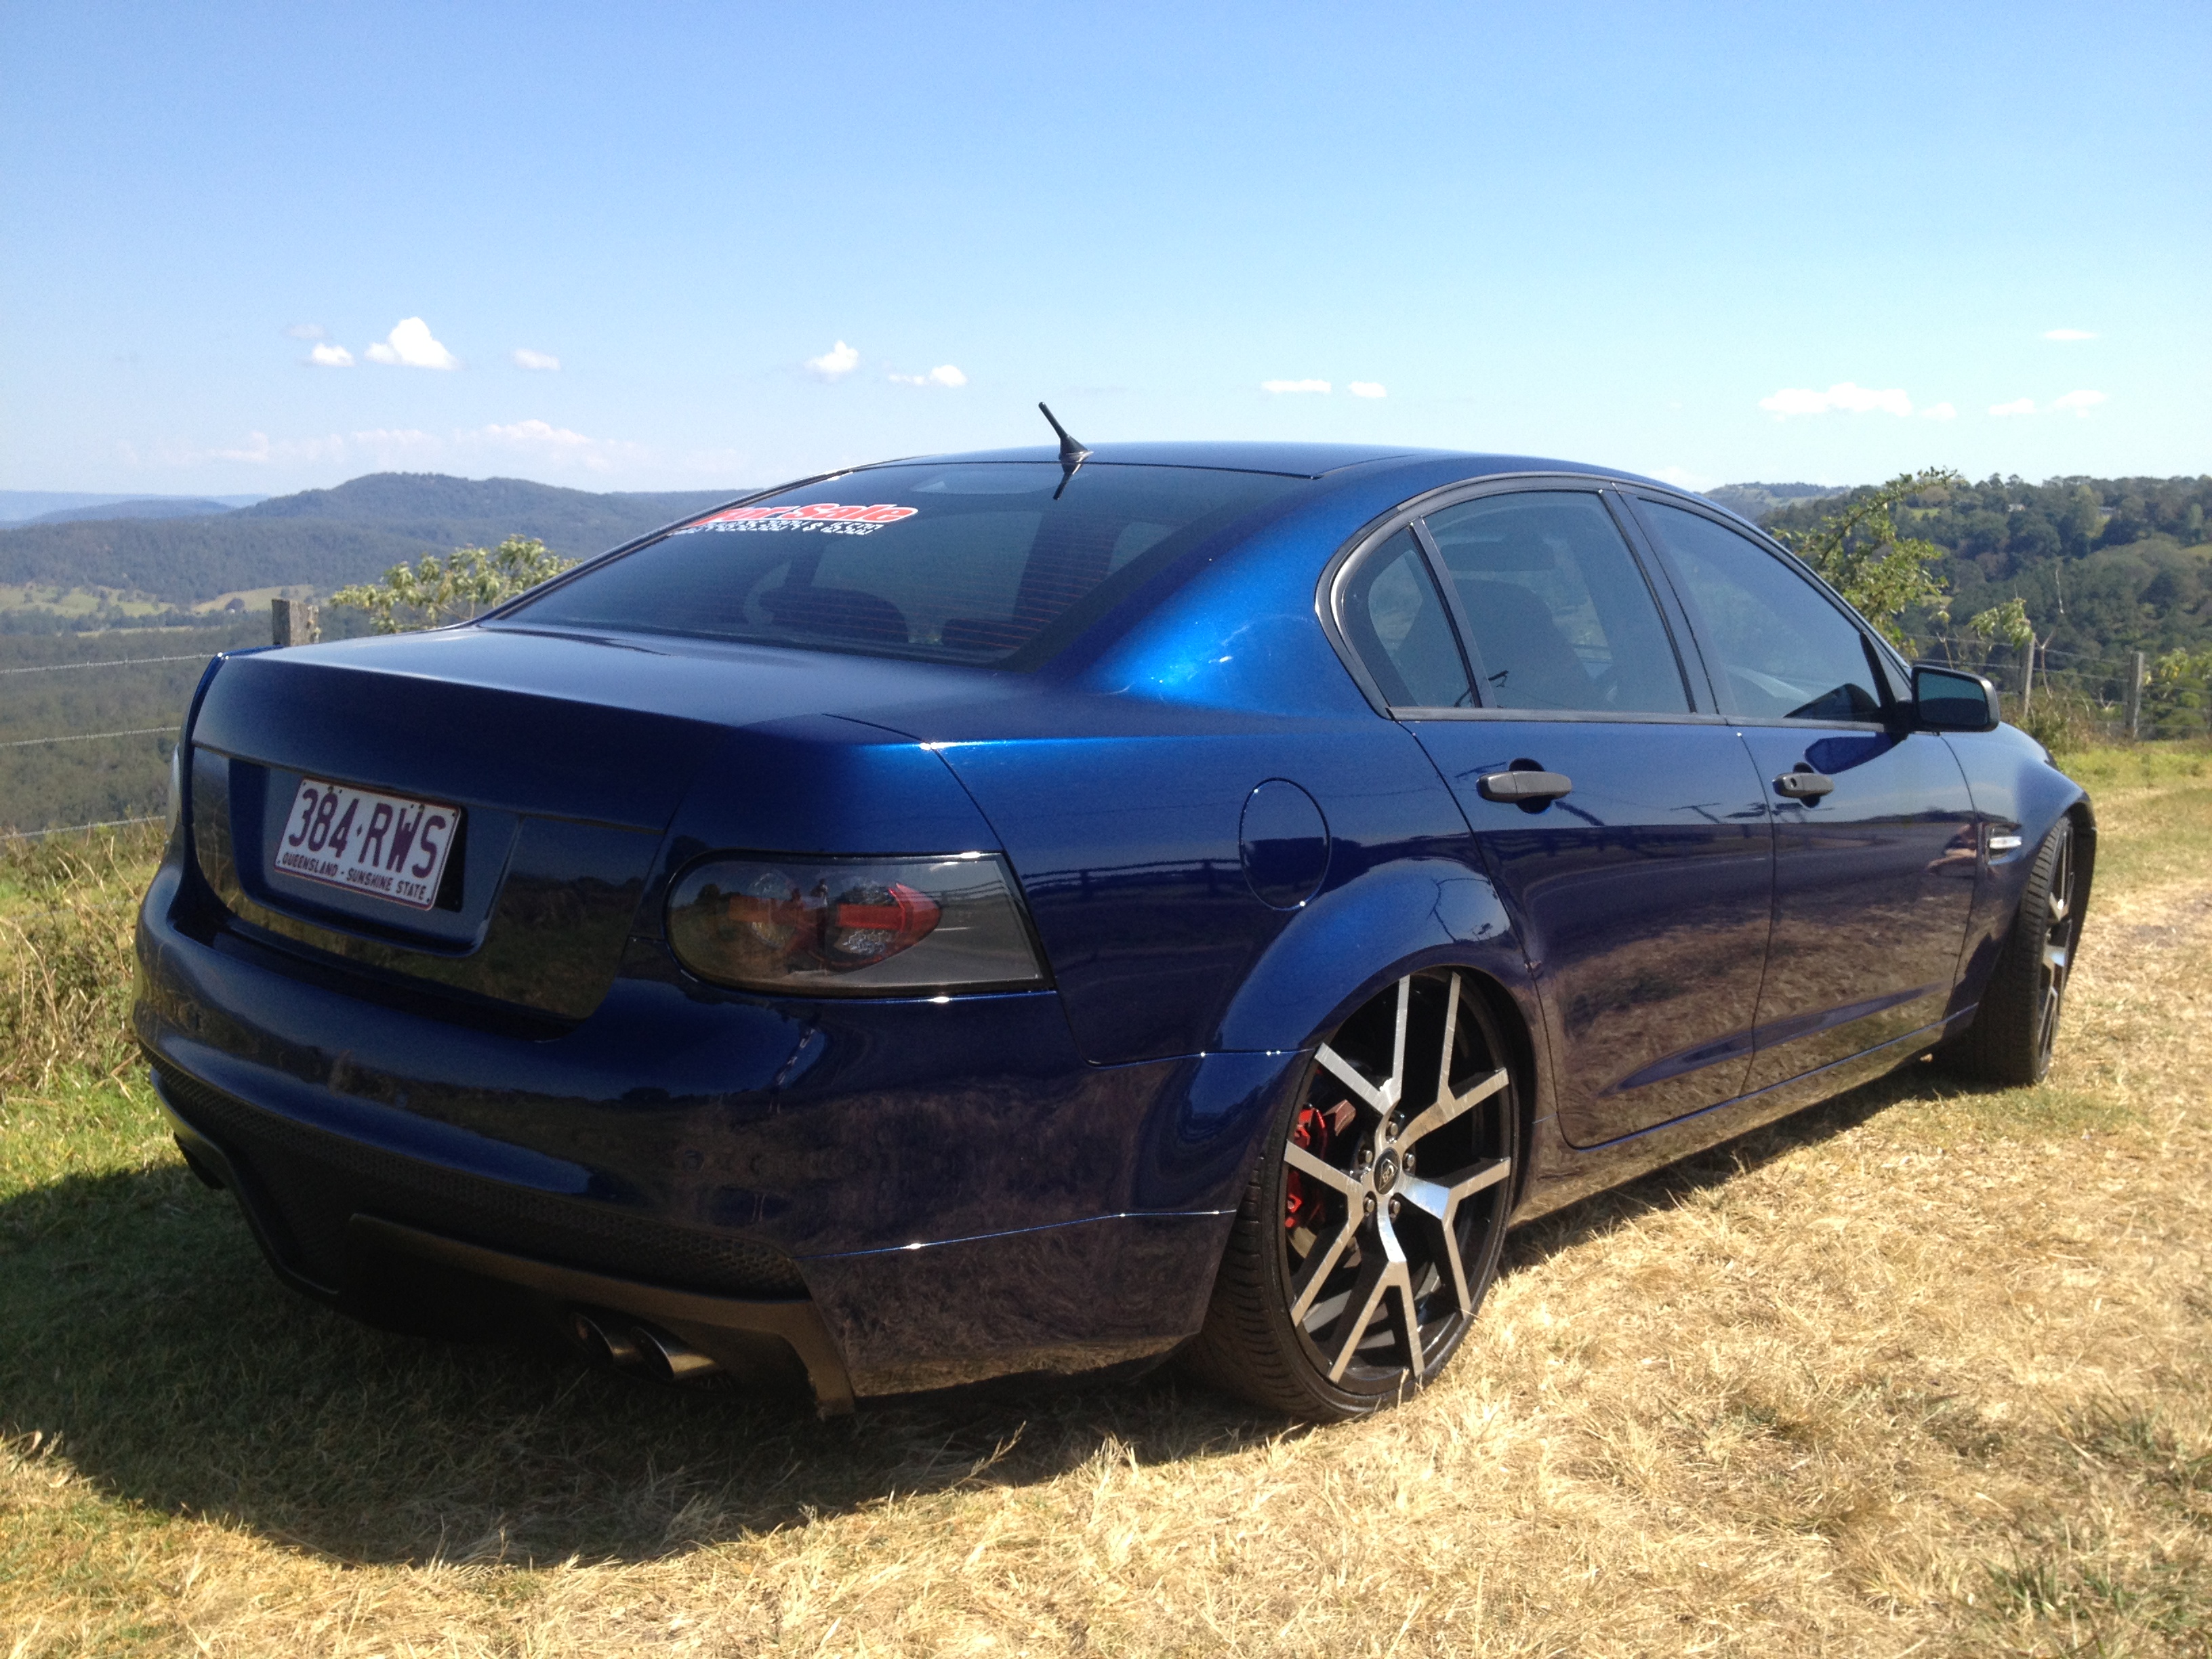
(1952, 700)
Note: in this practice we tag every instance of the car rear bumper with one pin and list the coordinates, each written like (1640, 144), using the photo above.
(905, 1195)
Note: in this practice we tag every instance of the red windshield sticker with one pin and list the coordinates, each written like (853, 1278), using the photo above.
(827, 517)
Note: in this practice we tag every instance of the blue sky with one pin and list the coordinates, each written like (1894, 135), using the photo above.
(740, 243)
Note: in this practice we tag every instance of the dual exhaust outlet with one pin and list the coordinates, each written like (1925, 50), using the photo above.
(630, 1345)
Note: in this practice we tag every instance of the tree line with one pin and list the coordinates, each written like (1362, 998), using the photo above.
(2079, 573)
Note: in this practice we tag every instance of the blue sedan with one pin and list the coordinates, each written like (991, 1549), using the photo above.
(1048, 910)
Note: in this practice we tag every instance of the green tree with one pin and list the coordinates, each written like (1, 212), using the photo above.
(1859, 551)
(2181, 686)
(434, 591)
(2007, 623)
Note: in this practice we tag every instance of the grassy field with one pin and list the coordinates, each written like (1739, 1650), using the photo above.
(1923, 1370)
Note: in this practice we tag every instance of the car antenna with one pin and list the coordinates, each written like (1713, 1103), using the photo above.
(1073, 454)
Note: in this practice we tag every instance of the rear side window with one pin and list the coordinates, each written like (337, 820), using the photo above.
(1558, 609)
(1395, 619)
(1780, 647)
(988, 563)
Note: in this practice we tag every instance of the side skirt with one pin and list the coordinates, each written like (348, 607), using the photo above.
(1574, 1173)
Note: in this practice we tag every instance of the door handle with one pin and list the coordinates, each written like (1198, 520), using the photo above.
(1803, 785)
(1524, 786)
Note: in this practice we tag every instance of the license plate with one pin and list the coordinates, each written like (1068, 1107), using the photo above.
(386, 846)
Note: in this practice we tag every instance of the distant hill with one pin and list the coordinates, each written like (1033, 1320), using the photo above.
(573, 520)
(141, 506)
(22, 506)
(324, 539)
(1755, 501)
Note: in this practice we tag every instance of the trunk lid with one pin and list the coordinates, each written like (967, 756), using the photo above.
(567, 760)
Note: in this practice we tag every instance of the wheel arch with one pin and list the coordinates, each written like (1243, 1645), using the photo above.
(2084, 852)
(1354, 942)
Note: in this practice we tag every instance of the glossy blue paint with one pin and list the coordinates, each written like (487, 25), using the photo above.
(1283, 840)
(1136, 881)
(1415, 912)
(1642, 900)
(1223, 848)
(818, 1127)
(1873, 884)
(2015, 791)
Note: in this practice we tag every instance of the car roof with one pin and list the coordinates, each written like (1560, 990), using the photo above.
(1299, 461)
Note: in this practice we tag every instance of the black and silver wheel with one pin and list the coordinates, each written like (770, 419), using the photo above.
(1373, 1222)
(2017, 1022)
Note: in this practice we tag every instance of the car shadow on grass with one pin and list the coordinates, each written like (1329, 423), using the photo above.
(140, 1329)
(1666, 1186)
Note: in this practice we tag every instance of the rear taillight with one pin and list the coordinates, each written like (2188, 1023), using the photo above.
(854, 927)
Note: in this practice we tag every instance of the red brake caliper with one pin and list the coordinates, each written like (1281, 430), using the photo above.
(1302, 1198)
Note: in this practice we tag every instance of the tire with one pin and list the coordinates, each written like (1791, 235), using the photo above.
(1352, 1272)
(2011, 1040)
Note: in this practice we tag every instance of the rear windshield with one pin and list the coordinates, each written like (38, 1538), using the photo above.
(996, 562)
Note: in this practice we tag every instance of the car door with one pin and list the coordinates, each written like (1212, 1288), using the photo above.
(1642, 893)
(1874, 836)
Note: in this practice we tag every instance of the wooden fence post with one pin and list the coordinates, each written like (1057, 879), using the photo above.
(2135, 697)
(292, 621)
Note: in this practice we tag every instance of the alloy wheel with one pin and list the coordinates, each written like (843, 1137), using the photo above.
(2057, 955)
(1396, 1180)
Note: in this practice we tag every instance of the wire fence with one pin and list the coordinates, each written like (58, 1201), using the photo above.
(131, 794)
(2070, 697)
(2083, 696)
(77, 829)
(113, 662)
(87, 737)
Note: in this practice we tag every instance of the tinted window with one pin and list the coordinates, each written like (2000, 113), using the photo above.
(962, 562)
(1780, 647)
(1561, 614)
(1395, 619)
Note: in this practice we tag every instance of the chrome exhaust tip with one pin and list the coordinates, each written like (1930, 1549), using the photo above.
(615, 1345)
(640, 1348)
(674, 1361)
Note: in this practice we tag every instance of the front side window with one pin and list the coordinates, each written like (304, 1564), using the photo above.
(1560, 615)
(1391, 609)
(1780, 649)
(997, 563)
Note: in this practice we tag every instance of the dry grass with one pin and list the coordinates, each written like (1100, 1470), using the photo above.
(66, 905)
(1924, 1371)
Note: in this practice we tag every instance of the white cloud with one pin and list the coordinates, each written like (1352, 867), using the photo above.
(304, 332)
(526, 358)
(2017, 406)
(255, 449)
(331, 356)
(1294, 386)
(550, 445)
(1367, 389)
(2080, 402)
(838, 362)
(2067, 334)
(1682, 478)
(386, 449)
(409, 345)
(1939, 412)
(943, 374)
(1845, 395)
(258, 450)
